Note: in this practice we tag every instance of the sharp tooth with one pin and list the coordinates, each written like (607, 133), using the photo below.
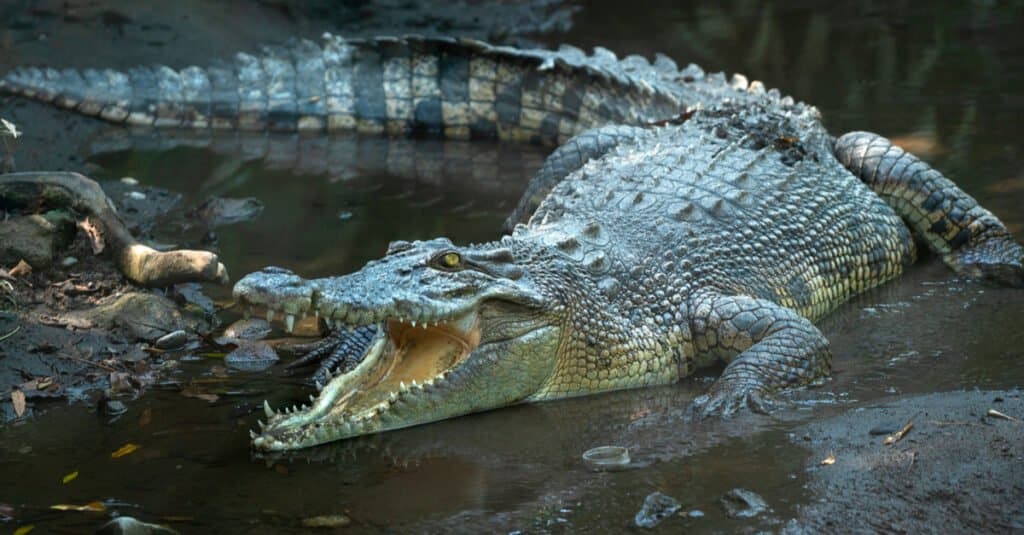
(270, 315)
(294, 408)
(262, 425)
(349, 328)
(318, 385)
(414, 324)
(312, 398)
(393, 397)
(316, 313)
(252, 434)
(415, 384)
(401, 386)
(289, 322)
(267, 410)
(304, 314)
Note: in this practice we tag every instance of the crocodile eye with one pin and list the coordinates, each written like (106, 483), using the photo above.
(451, 260)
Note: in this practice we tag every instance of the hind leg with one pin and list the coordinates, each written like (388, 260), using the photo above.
(971, 240)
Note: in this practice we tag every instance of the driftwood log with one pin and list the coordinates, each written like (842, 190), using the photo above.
(141, 264)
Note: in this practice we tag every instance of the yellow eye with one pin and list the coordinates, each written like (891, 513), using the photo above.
(451, 260)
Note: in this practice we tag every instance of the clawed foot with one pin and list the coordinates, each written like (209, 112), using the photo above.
(338, 352)
(723, 401)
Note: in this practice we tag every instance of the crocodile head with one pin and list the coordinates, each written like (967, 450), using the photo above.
(461, 329)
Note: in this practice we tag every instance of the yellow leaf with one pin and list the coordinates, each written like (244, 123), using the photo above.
(18, 399)
(24, 529)
(127, 449)
(95, 507)
(69, 478)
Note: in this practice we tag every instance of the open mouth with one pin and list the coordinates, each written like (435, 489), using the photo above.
(405, 364)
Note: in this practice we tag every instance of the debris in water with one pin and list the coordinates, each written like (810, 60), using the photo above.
(607, 458)
(18, 399)
(69, 478)
(22, 530)
(829, 460)
(126, 525)
(996, 414)
(92, 507)
(898, 435)
(127, 449)
(742, 503)
(657, 507)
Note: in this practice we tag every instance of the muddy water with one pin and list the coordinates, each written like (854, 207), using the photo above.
(944, 80)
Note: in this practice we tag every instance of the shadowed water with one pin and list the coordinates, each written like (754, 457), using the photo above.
(943, 80)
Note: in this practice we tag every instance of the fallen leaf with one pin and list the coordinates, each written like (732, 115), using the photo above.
(830, 460)
(26, 528)
(69, 478)
(22, 268)
(18, 399)
(127, 449)
(93, 233)
(95, 507)
(9, 129)
(146, 417)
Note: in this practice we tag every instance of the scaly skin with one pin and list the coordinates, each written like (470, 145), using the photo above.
(720, 238)
(683, 220)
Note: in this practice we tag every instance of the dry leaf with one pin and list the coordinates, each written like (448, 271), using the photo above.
(93, 232)
(95, 507)
(22, 268)
(830, 460)
(9, 129)
(18, 399)
(69, 478)
(127, 449)
(26, 528)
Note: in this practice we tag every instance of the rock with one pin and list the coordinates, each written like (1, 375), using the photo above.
(248, 329)
(742, 503)
(113, 407)
(140, 315)
(326, 521)
(35, 238)
(251, 356)
(217, 211)
(657, 507)
(171, 340)
(696, 513)
(126, 525)
(69, 261)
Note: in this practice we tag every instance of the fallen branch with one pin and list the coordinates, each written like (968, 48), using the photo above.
(141, 264)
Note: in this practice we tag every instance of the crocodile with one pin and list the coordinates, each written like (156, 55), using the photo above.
(684, 219)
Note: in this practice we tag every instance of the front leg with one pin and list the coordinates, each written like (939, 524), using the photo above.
(768, 347)
(338, 352)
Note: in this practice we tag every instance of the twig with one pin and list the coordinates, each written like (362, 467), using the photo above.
(898, 435)
(86, 361)
(10, 334)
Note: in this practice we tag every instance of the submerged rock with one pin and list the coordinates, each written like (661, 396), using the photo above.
(248, 329)
(218, 211)
(657, 507)
(141, 315)
(171, 340)
(251, 356)
(742, 503)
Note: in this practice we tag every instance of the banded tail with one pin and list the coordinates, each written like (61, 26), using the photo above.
(457, 88)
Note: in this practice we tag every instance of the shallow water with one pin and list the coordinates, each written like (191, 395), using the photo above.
(944, 79)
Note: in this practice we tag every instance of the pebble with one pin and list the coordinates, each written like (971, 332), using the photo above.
(344, 215)
(69, 261)
(130, 181)
(172, 340)
(136, 195)
(657, 507)
(742, 503)
(248, 329)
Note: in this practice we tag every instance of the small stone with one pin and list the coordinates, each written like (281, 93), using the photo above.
(248, 329)
(696, 513)
(251, 356)
(129, 181)
(742, 503)
(113, 407)
(172, 340)
(136, 195)
(344, 215)
(657, 507)
(326, 521)
(69, 261)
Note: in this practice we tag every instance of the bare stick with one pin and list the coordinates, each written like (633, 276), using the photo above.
(141, 264)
